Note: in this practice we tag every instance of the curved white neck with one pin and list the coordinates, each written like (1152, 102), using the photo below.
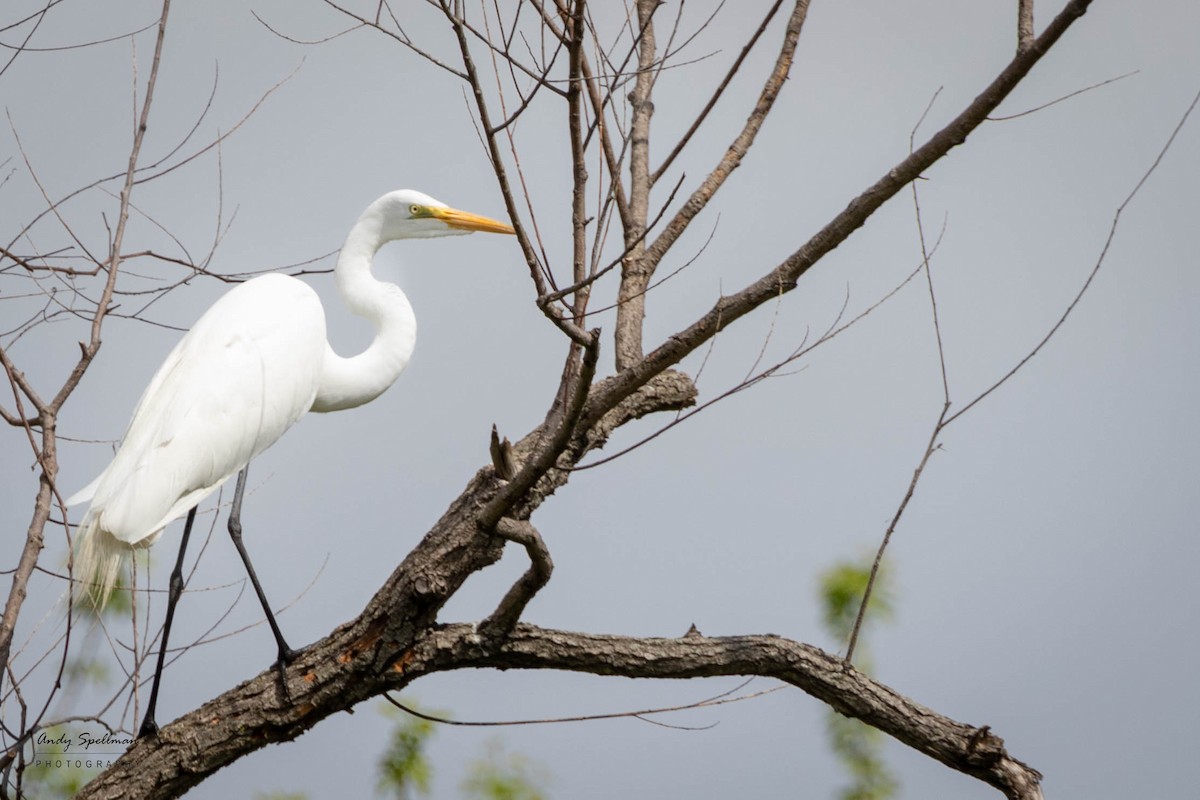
(350, 382)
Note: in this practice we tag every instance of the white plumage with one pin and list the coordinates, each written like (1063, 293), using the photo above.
(252, 365)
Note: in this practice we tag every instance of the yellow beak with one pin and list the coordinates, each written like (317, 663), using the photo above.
(467, 221)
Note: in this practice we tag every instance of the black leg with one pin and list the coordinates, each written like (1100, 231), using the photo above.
(286, 654)
(149, 726)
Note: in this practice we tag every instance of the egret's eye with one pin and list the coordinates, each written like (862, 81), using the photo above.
(415, 210)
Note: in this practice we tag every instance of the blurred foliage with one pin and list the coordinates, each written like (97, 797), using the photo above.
(47, 775)
(842, 587)
(504, 776)
(404, 770)
(86, 669)
(79, 671)
(860, 749)
(858, 746)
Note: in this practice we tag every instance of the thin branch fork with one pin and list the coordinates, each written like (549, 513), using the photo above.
(540, 75)
(657, 174)
(946, 418)
(576, 334)
(740, 146)
(937, 428)
(784, 277)
(620, 259)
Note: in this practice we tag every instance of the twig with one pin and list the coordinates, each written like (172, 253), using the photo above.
(730, 308)
(568, 327)
(718, 700)
(945, 419)
(1112, 231)
(1068, 96)
(716, 95)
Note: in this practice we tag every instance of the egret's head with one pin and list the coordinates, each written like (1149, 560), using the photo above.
(408, 214)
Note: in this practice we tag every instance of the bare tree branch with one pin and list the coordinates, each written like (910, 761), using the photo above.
(740, 146)
(48, 414)
(1024, 24)
(784, 277)
(657, 174)
(334, 678)
(502, 621)
(966, 748)
(946, 418)
(1112, 232)
(631, 302)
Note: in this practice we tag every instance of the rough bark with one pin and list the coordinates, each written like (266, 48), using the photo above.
(966, 748)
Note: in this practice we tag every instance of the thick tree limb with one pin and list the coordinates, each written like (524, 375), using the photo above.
(341, 670)
(966, 748)
(372, 653)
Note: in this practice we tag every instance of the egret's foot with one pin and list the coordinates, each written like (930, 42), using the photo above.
(286, 656)
(149, 729)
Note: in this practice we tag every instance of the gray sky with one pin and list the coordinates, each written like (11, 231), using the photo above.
(1041, 570)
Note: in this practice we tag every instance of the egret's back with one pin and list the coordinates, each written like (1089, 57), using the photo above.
(244, 373)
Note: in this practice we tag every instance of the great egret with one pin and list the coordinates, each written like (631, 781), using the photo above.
(246, 371)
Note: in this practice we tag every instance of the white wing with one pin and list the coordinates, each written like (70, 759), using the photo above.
(244, 373)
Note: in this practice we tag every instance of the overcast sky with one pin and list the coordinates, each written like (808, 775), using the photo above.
(1042, 572)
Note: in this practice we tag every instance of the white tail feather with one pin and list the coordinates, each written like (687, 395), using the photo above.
(99, 557)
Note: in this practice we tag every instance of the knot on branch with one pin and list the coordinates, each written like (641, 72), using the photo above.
(985, 749)
(429, 584)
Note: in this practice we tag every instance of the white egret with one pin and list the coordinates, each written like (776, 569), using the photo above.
(247, 370)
